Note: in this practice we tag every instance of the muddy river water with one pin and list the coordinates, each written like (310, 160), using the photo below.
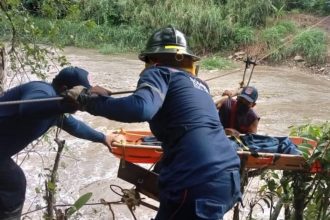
(287, 96)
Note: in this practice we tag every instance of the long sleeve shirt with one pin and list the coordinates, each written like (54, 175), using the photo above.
(20, 124)
(181, 115)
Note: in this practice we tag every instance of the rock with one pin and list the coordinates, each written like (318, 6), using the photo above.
(298, 58)
(321, 69)
(241, 57)
(240, 53)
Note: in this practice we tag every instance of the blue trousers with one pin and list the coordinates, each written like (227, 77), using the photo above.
(12, 189)
(210, 200)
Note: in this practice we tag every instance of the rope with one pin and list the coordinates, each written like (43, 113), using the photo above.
(130, 197)
(234, 71)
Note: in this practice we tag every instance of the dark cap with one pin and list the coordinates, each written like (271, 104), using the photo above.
(249, 93)
(72, 76)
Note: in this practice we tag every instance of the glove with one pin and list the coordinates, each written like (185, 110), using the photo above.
(78, 95)
(75, 92)
(98, 90)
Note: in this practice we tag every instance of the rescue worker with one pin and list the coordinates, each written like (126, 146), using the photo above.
(200, 177)
(237, 115)
(20, 124)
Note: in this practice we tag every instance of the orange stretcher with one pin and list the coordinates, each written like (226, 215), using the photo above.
(135, 151)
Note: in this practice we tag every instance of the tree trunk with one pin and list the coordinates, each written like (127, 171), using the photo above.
(277, 210)
(2, 68)
(300, 194)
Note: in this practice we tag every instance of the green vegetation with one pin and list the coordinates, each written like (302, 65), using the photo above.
(245, 35)
(216, 62)
(321, 134)
(274, 37)
(315, 187)
(321, 7)
(303, 195)
(310, 44)
(123, 26)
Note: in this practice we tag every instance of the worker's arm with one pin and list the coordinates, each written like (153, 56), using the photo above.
(138, 107)
(232, 132)
(226, 95)
(232, 93)
(80, 129)
(220, 102)
(38, 90)
(253, 127)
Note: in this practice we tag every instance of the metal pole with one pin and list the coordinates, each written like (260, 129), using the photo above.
(31, 101)
(15, 102)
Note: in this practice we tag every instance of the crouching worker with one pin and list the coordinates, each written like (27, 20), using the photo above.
(20, 124)
(199, 178)
(237, 115)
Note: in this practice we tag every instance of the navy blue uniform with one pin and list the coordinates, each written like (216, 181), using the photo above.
(23, 123)
(182, 115)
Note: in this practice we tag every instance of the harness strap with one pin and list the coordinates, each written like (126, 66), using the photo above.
(232, 114)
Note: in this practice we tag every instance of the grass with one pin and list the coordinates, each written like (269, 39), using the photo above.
(216, 28)
(216, 62)
(275, 35)
(244, 35)
(311, 44)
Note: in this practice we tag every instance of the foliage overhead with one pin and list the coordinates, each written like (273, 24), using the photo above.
(210, 25)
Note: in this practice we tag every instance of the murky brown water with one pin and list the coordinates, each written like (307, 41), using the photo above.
(287, 96)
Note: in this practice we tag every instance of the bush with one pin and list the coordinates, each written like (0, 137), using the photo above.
(317, 187)
(249, 12)
(318, 6)
(90, 35)
(208, 30)
(312, 45)
(244, 35)
(220, 25)
(105, 12)
(274, 37)
(49, 8)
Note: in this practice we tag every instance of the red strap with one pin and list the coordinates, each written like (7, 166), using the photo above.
(232, 113)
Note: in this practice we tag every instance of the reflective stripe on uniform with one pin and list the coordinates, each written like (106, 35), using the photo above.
(143, 85)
